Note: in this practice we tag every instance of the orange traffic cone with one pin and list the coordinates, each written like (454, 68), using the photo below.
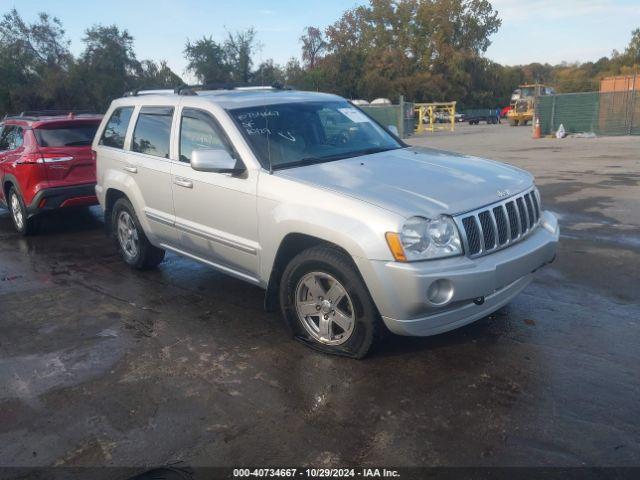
(537, 131)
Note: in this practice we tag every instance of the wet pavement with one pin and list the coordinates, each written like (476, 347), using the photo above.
(103, 365)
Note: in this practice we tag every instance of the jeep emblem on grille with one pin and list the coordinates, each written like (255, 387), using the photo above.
(503, 193)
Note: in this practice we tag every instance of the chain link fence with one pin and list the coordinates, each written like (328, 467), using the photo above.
(611, 113)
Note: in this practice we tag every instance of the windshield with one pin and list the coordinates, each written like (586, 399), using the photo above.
(79, 135)
(303, 133)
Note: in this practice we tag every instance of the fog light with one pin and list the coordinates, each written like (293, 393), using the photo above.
(440, 292)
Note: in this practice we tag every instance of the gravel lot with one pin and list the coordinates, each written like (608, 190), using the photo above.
(103, 365)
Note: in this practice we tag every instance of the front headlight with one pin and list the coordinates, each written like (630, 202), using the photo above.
(423, 239)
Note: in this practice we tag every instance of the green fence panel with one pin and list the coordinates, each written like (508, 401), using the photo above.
(385, 115)
(611, 113)
(544, 113)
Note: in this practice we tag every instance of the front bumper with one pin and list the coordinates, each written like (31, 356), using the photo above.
(62, 197)
(480, 286)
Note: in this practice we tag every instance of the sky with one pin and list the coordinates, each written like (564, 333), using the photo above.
(532, 30)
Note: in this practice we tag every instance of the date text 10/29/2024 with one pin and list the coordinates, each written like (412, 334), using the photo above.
(315, 473)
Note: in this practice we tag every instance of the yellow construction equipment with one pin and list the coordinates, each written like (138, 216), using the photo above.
(523, 103)
(435, 116)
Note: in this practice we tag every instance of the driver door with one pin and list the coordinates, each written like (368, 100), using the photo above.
(216, 218)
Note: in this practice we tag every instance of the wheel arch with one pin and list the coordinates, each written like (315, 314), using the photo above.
(111, 197)
(7, 182)
(290, 246)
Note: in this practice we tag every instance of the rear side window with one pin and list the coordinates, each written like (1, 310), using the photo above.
(11, 138)
(116, 129)
(79, 135)
(153, 131)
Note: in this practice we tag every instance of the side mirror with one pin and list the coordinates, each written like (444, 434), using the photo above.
(215, 160)
(393, 129)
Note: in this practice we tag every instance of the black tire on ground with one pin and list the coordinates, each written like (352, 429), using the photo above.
(28, 226)
(147, 256)
(513, 123)
(369, 328)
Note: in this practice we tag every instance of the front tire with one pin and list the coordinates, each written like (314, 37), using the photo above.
(327, 305)
(23, 224)
(131, 241)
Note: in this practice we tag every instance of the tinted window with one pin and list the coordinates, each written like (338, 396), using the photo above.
(11, 138)
(152, 132)
(69, 136)
(116, 129)
(3, 137)
(198, 130)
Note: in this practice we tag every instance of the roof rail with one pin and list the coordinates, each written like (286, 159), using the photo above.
(193, 89)
(142, 91)
(36, 114)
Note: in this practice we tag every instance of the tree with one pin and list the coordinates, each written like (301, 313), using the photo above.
(313, 45)
(207, 61)
(157, 75)
(108, 66)
(34, 60)
(38, 44)
(633, 50)
(387, 45)
(269, 73)
(238, 49)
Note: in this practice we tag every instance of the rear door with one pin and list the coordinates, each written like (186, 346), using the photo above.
(149, 165)
(65, 148)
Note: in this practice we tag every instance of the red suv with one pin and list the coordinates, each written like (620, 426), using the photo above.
(46, 163)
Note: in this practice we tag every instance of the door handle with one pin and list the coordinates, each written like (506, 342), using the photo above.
(183, 182)
(131, 168)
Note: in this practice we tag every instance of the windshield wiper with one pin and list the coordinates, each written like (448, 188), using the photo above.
(338, 156)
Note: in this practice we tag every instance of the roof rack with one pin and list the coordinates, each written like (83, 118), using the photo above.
(142, 91)
(194, 89)
(36, 114)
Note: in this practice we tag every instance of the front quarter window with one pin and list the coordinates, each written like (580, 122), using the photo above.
(304, 133)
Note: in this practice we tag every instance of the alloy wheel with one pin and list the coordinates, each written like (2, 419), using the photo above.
(324, 308)
(16, 211)
(128, 234)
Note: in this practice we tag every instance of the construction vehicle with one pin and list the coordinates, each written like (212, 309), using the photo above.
(523, 102)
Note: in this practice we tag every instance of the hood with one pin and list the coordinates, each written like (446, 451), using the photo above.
(413, 181)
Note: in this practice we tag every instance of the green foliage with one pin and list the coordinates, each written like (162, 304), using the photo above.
(268, 73)
(432, 50)
(207, 61)
(238, 49)
(427, 50)
(39, 72)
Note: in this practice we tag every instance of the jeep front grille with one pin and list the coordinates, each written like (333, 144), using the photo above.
(499, 225)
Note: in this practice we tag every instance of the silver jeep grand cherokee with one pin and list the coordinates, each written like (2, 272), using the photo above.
(349, 230)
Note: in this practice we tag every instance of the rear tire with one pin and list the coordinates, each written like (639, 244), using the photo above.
(513, 123)
(340, 316)
(130, 239)
(23, 224)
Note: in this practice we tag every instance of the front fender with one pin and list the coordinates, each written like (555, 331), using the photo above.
(286, 207)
